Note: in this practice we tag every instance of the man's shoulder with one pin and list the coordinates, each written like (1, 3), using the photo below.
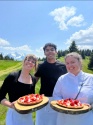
(57, 63)
(42, 63)
(60, 63)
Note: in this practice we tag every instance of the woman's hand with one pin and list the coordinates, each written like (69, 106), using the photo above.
(12, 105)
(5, 102)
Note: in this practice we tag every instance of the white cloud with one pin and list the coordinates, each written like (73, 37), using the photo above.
(4, 42)
(6, 46)
(85, 47)
(83, 38)
(65, 16)
(39, 50)
(21, 48)
(75, 21)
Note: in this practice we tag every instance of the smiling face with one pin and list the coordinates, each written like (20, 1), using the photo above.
(29, 62)
(50, 53)
(73, 65)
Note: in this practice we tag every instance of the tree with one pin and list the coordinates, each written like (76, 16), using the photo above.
(82, 53)
(1, 56)
(90, 65)
(59, 53)
(88, 52)
(73, 47)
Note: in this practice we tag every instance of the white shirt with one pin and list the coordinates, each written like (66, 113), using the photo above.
(68, 86)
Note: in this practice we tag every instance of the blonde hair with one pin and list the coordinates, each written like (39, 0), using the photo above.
(31, 56)
(75, 55)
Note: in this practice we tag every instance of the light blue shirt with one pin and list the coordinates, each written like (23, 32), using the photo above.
(68, 86)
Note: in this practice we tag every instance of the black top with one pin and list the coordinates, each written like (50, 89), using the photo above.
(14, 88)
(49, 74)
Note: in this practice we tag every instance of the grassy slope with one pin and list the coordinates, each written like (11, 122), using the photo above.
(8, 66)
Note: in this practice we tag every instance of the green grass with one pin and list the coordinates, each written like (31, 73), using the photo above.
(3, 111)
(8, 66)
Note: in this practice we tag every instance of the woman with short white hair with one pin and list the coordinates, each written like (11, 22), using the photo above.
(75, 84)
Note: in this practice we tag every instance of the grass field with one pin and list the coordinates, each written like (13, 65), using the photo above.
(8, 66)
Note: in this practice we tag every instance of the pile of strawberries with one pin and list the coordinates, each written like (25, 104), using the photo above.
(69, 102)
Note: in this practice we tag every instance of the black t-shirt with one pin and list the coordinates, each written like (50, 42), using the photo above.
(16, 89)
(49, 74)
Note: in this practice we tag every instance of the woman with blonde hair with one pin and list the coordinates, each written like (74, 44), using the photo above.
(18, 84)
(75, 84)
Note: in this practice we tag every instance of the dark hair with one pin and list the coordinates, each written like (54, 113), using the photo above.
(50, 44)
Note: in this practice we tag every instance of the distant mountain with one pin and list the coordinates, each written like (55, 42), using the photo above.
(16, 56)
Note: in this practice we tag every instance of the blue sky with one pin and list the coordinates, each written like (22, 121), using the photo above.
(26, 26)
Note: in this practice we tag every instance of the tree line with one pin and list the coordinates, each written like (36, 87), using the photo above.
(5, 57)
(72, 48)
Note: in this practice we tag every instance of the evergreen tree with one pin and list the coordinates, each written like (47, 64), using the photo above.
(6, 57)
(59, 53)
(73, 47)
(90, 65)
(87, 52)
(1, 56)
(82, 53)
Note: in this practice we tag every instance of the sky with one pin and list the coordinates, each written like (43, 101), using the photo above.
(26, 26)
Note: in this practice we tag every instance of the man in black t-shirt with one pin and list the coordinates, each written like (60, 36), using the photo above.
(49, 71)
